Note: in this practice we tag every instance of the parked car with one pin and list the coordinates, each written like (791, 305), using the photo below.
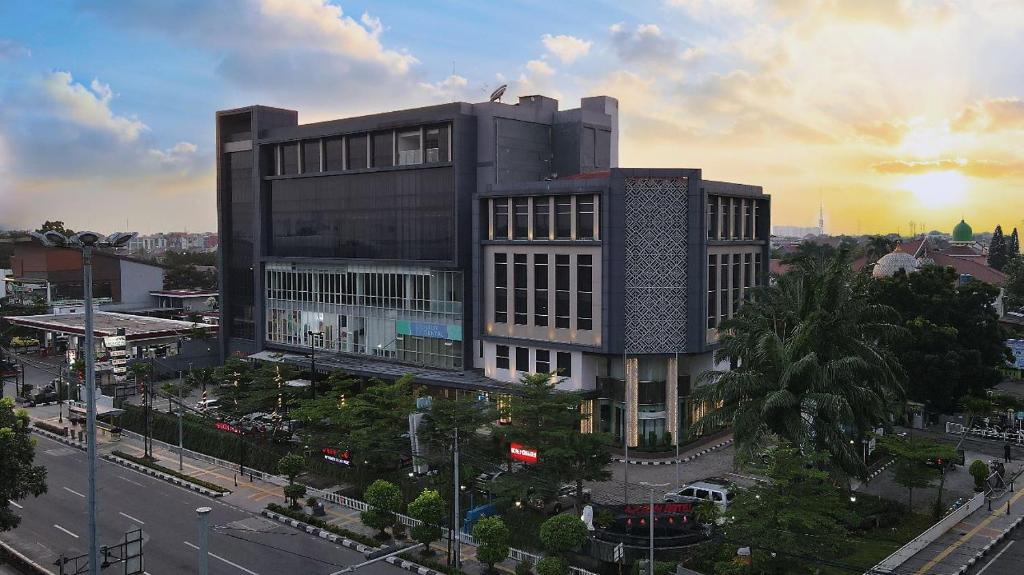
(564, 498)
(207, 405)
(713, 489)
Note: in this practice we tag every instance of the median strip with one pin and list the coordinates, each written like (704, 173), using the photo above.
(170, 475)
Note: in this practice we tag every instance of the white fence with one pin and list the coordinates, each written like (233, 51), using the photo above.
(901, 555)
(1015, 436)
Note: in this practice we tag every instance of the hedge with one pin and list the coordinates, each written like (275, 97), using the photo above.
(146, 463)
(419, 559)
(51, 428)
(317, 522)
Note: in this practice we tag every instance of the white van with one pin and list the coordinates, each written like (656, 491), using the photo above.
(719, 491)
(207, 405)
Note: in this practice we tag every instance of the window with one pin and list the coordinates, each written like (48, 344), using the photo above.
(723, 300)
(383, 149)
(290, 158)
(737, 221)
(540, 289)
(585, 217)
(310, 156)
(500, 219)
(725, 218)
(585, 292)
(564, 364)
(541, 215)
(333, 154)
(435, 144)
(357, 152)
(748, 221)
(748, 270)
(409, 149)
(523, 359)
(521, 213)
(543, 361)
(562, 291)
(712, 218)
(501, 356)
(712, 288)
(563, 218)
(758, 272)
(737, 282)
(754, 219)
(519, 273)
(500, 288)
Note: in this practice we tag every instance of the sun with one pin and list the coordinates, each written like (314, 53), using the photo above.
(937, 189)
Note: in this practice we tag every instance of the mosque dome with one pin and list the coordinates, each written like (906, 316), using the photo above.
(890, 263)
(962, 233)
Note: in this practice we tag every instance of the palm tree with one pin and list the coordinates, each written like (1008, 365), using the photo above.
(813, 366)
(878, 246)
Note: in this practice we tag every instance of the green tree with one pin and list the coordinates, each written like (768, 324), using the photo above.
(552, 565)
(1013, 245)
(815, 366)
(562, 534)
(979, 471)
(1014, 271)
(998, 254)
(294, 492)
(798, 513)
(953, 344)
(384, 499)
(429, 508)
(18, 477)
(55, 226)
(912, 469)
(878, 246)
(291, 466)
(492, 536)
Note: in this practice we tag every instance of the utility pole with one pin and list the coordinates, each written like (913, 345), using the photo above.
(204, 536)
(90, 408)
(650, 522)
(181, 435)
(456, 527)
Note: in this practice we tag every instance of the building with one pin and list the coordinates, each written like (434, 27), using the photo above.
(965, 255)
(187, 301)
(1017, 349)
(54, 275)
(472, 243)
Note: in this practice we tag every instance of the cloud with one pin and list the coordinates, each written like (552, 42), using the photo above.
(89, 107)
(179, 154)
(884, 131)
(705, 9)
(991, 115)
(888, 13)
(566, 48)
(644, 44)
(9, 50)
(452, 88)
(975, 168)
(540, 68)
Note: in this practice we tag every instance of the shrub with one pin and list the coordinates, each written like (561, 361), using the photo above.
(492, 536)
(48, 427)
(561, 534)
(384, 499)
(291, 466)
(428, 507)
(172, 472)
(979, 471)
(295, 491)
(552, 565)
(524, 567)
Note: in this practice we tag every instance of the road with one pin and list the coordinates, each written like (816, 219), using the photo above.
(1005, 559)
(241, 543)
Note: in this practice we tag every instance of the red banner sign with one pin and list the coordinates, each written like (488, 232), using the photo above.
(339, 456)
(659, 509)
(225, 426)
(524, 454)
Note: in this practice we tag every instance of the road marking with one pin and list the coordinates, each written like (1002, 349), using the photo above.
(964, 538)
(130, 481)
(140, 522)
(68, 489)
(219, 558)
(982, 570)
(65, 531)
(15, 504)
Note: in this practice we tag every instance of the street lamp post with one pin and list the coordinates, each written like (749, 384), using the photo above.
(650, 519)
(87, 242)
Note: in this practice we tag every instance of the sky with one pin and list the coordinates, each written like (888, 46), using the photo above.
(894, 115)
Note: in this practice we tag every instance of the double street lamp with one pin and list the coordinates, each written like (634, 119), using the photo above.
(87, 242)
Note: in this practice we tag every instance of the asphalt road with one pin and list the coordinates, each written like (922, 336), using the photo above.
(240, 542)
(1005, 559)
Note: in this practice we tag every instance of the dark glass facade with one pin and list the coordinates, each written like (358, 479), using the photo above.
(238, 280)
(401, 215)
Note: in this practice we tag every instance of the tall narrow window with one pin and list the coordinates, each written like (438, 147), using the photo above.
(585, 217)
(748, 270)
(540, 289)
(585, 292)
(712, 218)
(290, 158)
(543, 361)
(541, 215)
(758, 272)
(523, 359)
(435, 144)
(383, 149)
(356, 149)
(562, 291)
(748, 220)
(712, 288)
(501, 356)
(500, 288)
(755, 215)
(723, 299)
(521, 215)
(737, 220)
(725, 218)
(737, 282)
(564, 364)
(409, 148)
(519, 273)
(563, 218)
(310, 156)
(500, 218)
(333, 154)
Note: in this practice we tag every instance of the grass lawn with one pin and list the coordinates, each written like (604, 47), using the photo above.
(868, 548)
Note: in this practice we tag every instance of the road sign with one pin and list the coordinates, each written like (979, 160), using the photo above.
(1020, 415)
(618, 553)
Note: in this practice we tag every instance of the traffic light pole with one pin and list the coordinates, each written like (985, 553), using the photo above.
(90, 404)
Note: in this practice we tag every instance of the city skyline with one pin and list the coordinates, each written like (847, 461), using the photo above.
(916, 122)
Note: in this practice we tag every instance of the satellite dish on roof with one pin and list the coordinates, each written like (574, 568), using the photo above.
(497, 94)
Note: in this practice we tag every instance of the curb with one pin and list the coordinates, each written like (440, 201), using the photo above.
(60, 438)
(686, 459)
(23, 560)
(410, 566)
(988, 547)
(321, 533)
(879, 471)
(165, 477)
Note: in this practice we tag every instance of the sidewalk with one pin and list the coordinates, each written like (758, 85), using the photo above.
(955, 549)
(253, 495)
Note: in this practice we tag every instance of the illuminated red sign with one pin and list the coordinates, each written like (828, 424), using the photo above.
(339, 456)
(225, 426)
(659, 509)
(524, 454)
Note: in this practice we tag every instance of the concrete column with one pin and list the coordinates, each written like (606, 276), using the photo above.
(632, 399)
(587, 416)
(672, 399)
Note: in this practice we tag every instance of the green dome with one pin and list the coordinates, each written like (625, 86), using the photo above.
(962, 232)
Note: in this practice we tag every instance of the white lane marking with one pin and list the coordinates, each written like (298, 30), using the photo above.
(75, 492)
(218, 557)
(65, 531)
(982, 570)
(130, 481)
(139, 521)
(15, 504)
